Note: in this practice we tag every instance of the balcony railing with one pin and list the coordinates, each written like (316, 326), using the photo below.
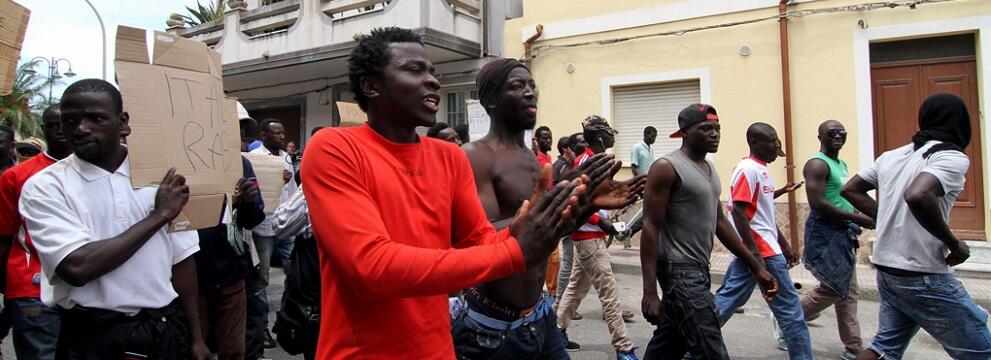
(269, 19)
(268, 28)
(469, 7)
(341, 9)
(209, 33)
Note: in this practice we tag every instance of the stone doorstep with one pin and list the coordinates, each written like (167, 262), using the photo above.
(980, 252)
(627, 261)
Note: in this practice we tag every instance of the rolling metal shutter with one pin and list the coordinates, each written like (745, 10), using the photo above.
(657, 105)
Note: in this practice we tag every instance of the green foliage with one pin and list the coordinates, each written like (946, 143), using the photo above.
(22, 108)
(204, 14)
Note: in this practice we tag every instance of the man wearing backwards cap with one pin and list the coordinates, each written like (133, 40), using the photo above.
(507, 317)
(592, 265)
(682, 212)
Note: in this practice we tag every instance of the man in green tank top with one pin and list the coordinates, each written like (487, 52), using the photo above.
(831, 238)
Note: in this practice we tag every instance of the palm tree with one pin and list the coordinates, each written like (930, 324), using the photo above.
(21, 108)
(204, 14)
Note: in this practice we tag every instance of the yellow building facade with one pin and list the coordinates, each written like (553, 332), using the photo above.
(637, 62)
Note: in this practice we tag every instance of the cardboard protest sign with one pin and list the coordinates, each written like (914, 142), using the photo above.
(268, 170)
(478, 120)
(13, 26)
(179, 118)
(351, 114)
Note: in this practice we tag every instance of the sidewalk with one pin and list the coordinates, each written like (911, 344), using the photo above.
(627, 261)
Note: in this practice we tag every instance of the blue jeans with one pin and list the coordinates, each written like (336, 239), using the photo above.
(479, 337)
(256, 322)
(830, 251)
(937, 303)
(739, 284)
(567, 261)
(35, 327)
(266, 245)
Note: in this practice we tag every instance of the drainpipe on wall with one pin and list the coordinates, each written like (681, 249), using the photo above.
(528, 44)
(789, 155)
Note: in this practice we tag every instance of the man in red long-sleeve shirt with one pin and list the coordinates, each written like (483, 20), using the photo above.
(35, 326)
(414, 229)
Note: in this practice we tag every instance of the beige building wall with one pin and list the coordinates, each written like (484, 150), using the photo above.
(828, 60)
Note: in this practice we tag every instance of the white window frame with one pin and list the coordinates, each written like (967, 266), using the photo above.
(700, 74)
(609, 83)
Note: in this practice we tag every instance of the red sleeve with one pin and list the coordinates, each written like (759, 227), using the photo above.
(358, 244)
(742, 190)
(594, 219)
(10, 218)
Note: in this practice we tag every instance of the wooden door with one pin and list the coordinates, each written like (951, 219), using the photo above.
(899, 88)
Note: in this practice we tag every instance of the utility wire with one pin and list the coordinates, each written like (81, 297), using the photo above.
(789, 14)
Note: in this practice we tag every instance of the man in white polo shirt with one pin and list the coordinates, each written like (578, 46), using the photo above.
(126, 286)
(273, 144)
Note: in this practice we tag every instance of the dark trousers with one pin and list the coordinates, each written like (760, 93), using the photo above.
(257, 312)
(689, 322)
(159, 334)
(222, 317)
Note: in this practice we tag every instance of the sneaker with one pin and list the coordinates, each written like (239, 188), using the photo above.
(568, 344)
(628, 316)
(627, 355)
(269, 342)
(849, 355)
(776, 330)
(576, 316)
(809, 319)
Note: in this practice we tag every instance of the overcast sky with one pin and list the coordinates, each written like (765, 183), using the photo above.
(69, 29)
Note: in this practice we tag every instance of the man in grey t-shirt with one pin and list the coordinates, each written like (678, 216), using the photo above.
(917, 185)
(682, 212)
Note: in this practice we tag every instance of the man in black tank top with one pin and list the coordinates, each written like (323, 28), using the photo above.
(682, 212)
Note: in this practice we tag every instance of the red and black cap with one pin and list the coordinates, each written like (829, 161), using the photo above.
(694, 113)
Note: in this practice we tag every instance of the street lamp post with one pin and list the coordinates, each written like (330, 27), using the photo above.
(53, 73)
(103, 33)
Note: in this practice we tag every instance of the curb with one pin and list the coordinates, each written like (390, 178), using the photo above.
(866, 293)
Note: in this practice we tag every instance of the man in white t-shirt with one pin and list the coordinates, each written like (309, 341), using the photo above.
(127, 287)
(263, 235)
(917, 185)
(753, 195)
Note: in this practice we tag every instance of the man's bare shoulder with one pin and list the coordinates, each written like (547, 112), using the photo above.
(662, 174)
(661, 165)
(478, 150)
(481, 156)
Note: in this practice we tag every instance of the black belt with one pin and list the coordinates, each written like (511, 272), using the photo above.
(670, 266)
(899, 272)
(100, 317)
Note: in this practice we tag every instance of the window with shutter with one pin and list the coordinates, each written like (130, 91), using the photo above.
(657, 105)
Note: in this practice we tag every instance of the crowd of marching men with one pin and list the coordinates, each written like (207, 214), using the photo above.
(396, 245)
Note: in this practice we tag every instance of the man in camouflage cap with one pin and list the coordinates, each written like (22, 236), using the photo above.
(592, 265)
